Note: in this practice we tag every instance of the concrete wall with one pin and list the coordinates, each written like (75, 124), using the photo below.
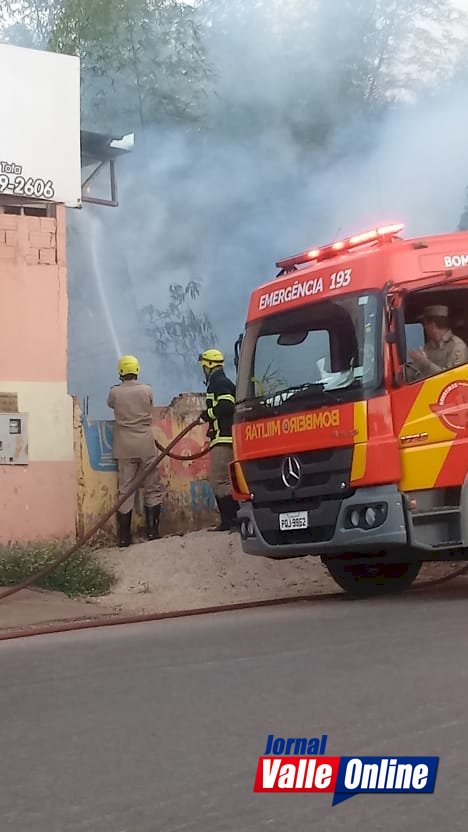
(37, 500)
(188, 503)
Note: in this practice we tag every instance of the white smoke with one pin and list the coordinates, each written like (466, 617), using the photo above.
(221, 205)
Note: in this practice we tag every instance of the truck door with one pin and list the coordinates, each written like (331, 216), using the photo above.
(430, 408)
(430, 417)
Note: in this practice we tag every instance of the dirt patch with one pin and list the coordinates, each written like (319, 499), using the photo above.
(198, 570)
(209, 568)
(204, 569)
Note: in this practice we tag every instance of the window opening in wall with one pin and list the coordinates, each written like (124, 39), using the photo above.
(8, 205)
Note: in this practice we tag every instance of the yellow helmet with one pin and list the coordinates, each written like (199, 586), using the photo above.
(211, 358)
(129, 366)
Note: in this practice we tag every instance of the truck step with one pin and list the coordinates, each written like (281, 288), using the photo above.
(439, 511)
(448, 544)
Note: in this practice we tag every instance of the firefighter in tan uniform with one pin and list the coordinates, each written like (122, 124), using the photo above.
(442, 350)
(134, 448)
(219, 413)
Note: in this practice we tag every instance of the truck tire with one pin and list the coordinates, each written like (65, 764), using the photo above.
(366, 581)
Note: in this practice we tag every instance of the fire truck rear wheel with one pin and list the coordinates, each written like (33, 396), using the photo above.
(369, 580)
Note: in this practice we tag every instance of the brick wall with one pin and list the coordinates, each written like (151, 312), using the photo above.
(34, 239)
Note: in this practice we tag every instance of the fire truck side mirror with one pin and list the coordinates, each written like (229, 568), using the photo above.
(237, 347)
(397, 334)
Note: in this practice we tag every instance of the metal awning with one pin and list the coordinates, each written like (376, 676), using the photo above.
(99, 150)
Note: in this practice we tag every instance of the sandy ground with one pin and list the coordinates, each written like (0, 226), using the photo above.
(209, 568)
(204, 569)
(198, 570)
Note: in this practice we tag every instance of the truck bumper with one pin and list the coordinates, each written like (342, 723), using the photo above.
(390, 531)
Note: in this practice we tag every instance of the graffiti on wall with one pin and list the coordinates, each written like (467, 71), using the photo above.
(201, 496)
(188, 500)
(98, 436)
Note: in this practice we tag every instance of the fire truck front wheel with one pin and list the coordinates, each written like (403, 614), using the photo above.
(369, 580)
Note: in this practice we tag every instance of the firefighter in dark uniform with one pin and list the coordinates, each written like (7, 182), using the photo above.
(134, 448)
(220, 400)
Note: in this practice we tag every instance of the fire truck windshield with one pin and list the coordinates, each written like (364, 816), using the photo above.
(324, 351)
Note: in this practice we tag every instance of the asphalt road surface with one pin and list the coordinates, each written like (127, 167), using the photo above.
(159, 726)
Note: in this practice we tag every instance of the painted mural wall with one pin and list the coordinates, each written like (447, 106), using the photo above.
(188, 503)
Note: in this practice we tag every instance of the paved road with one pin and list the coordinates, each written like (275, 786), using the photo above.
(158, 727)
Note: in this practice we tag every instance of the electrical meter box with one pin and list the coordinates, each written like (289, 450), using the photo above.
(14, 439)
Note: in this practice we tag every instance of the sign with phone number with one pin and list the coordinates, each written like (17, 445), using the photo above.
(14, 183)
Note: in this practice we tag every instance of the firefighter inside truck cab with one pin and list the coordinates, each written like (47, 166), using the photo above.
(442, 349)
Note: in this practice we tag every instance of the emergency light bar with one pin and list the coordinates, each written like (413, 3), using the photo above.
(382, 234)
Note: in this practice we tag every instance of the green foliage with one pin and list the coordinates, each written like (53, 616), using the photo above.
(80, 575)
(141, 60)
(313, 67)
(308, 65)
(388, 49)
(178, 331)
(28, 22)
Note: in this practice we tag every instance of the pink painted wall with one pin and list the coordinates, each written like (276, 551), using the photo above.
(37, 501)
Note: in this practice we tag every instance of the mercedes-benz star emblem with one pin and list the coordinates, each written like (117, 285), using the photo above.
(291, 472)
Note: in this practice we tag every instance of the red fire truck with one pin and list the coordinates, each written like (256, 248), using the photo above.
(350, 441)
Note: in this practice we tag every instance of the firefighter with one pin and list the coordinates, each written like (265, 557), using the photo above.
(220, 399)
(134, 448)
(442, 350)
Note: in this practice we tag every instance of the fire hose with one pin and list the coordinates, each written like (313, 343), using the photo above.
(182, 457)
(137, 482)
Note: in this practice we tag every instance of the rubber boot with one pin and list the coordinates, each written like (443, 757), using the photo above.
(124, 523)
(228, 511)
(223, 525)
(233, 508)
(152, 522)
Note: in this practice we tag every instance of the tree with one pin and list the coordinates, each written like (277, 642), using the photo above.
(178, 333)
(141, 60)
(28, 22)
(392, 48)
(311, 66)
(463, 224)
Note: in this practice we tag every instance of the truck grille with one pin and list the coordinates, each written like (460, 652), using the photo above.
(324, 483)
(325, 474)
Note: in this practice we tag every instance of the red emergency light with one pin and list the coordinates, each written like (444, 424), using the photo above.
(376, 235)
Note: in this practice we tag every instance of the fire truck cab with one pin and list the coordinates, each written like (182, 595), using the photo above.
(349, 444)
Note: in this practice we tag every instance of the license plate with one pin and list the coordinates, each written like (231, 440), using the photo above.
(293, 520)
